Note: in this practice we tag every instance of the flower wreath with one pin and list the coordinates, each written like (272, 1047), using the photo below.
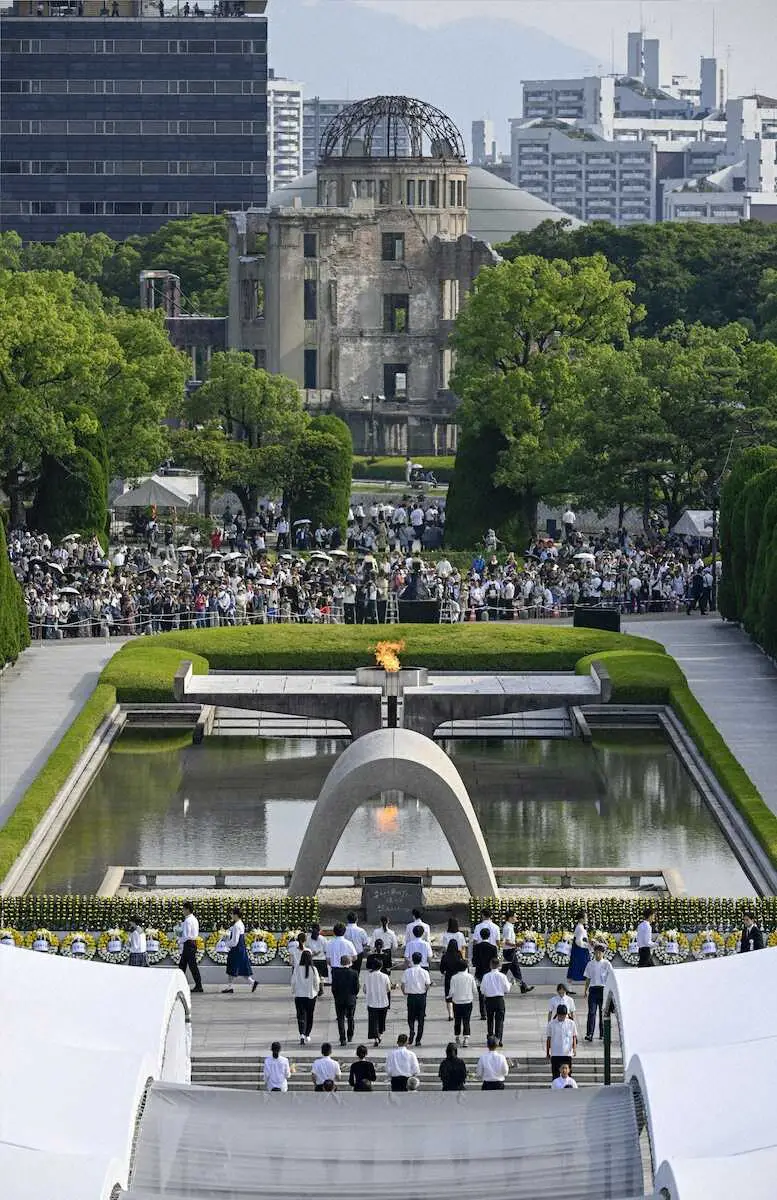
(600, 937)
(11, 937)
(530, 947)
(78, 945)
(559, 947)
(113, 946)
(174, 948)
(255, 940)
(628, 949)
(156, 946)
(733, 942)
(216, 946)
(772, 939)
(43, 940)
(672, 947)
(708, 943)
(283, 944)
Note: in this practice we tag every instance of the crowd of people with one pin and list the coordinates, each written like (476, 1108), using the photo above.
(233, 577)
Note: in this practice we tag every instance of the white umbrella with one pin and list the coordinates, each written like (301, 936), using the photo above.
(338, 554)
(584, 556)
(72, 537)
(69, 591)
(187, 549)
(303, 521)
(233, 554)
(214, 554)
(265, 582)
(320, 555)
(56, 567)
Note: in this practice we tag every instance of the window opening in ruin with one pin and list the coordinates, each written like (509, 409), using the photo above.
(310, 245)
(396, 313)
(310, 300)
(393, 247)
(395, 381)
(311, 369)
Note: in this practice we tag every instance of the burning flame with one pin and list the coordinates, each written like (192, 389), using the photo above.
(386, 655)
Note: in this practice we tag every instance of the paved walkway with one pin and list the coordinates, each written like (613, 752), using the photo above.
(735, 684)
(39, 698)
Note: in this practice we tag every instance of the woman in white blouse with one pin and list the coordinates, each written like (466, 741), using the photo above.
(238, 962)
(580, 954)
(389, 943)
(316, 944)
(295, 948)
(305, 988)
(377, 988)
(453, 934)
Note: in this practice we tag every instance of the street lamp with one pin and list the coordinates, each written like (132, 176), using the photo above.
(373, 399)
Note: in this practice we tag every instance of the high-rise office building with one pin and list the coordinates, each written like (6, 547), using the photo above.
(483, 143)
(119, 118)
(284, 131)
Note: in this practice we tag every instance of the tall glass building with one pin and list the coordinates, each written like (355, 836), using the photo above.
(118, 115)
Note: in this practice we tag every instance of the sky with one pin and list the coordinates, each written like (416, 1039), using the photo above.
(745, 31)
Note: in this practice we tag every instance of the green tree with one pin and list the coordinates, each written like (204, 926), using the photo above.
(14, 629)
(72, 496)
(320, 487)
(261, 415)
(206, 449)
(745, 465)
(517, 336)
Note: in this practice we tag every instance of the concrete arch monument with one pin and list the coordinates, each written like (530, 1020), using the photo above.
(394, 759)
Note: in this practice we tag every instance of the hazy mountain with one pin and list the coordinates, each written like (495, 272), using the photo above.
(470, 69)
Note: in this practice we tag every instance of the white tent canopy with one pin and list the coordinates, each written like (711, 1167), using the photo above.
(746, 1176)
(695, 522)
(161, 492)
(80, 1042)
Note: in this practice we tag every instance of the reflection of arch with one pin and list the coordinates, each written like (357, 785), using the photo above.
(409, 762)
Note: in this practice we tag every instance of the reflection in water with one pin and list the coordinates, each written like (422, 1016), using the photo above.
(623, 801)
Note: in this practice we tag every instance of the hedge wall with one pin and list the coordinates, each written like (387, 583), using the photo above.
(14, 630)
(731, 594)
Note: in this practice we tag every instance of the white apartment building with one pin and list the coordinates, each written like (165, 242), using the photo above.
(583, 174)
(284, 132)
(589, 102)
(317, 115)
(484, 149)
(741, 191)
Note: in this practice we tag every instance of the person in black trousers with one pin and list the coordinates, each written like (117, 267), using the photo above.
(345, 990)
(752, 937)
(190, 931)
(452, 1071)
(482, 954)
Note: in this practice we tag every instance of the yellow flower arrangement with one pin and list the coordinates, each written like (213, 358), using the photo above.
(560, 947)
(708, 943)
(600, 937)
(85, 945)
(732, 943)
(174, 948)
(627, 947)
(215, 946)
(283, 943)
(11, 937)
(157, 947)
(530, 947)
(672, 947)
(113, 946)
(772, 939)
(255, 939)
(43, 940)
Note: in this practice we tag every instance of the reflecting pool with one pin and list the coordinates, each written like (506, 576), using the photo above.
(623, 800)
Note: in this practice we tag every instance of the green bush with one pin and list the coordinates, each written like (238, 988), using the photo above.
(474, 504)
(39, 795)
(393, 469)
(144, 669)
(322, 489)
(646, 678)
(72, 497)
(14, 629)
(751, 462)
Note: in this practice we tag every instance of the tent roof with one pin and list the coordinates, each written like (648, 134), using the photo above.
(155, 490)
(695, 522)
(750, 1176)
(34, 1174)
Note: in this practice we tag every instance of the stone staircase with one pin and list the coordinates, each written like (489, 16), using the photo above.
(526, 1071)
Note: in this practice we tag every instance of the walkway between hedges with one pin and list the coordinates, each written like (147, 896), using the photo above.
(735, 684)
(40, 696)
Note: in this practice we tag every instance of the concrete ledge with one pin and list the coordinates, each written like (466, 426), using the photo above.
(601, 677)
(181, 680)
(51, 826)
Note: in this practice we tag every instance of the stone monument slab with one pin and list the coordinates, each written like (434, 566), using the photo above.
(393, 895)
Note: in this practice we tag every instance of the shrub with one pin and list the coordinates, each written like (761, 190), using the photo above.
(143, 671)
(322, 488)
(71, 497)
(20, 826)
(750, 462)
(14, 629)
(474, 503)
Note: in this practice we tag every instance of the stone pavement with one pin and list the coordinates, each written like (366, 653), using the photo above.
(40, 695)
(733, 681)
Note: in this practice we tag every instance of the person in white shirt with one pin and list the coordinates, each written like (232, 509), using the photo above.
(561, 996)
(339, 947)
(417, 944)
(580, 953)
(305, 988)
(453, 934)
(569, 518)
(190, 931)
(359, 938)
(563, 1079)
(560, 1040)
(486, 923)
(416, 982)
(645, 938)
(492, 1067)
(462, 992)
(401, 1065)
(417, 920)
(316, 943)
(325, 1068)
(596, 974)
(238, 962)
(389, 943)
(277, 1070)
(377, 989)
(138, 956)
(494, 986)
(510, 953)
(295, 948)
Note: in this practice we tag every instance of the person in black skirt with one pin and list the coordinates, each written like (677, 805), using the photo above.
(238, 962)
(451, 963)
(138, 956)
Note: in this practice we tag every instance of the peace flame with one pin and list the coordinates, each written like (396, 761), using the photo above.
(386, 655)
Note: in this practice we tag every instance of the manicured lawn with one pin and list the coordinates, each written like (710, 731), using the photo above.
(394, 467)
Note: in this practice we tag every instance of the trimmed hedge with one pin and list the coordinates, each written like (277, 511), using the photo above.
(394, 468)
(14, 630)
(731, 594)
(143, 670)
(33, 805)
(645, 678)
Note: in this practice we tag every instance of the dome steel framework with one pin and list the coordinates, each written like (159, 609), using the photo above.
(426, 126)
